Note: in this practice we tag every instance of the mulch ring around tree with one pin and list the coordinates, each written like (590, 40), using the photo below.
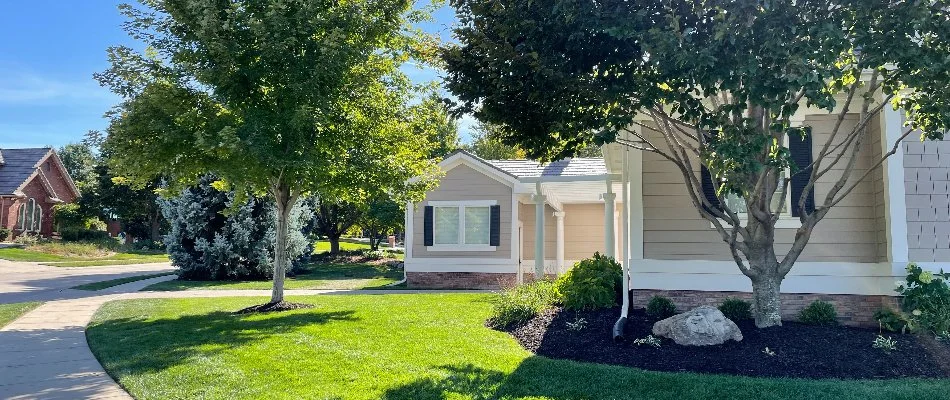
(273, 307)
(795, 350)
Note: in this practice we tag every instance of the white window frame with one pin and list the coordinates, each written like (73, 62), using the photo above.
(461, 246)
(785, 219)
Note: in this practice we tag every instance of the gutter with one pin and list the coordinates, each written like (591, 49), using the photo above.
(625, 264)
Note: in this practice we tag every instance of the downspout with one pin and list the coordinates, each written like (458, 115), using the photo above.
(625, 263)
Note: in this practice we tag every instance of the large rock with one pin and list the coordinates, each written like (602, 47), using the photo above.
(701, 326)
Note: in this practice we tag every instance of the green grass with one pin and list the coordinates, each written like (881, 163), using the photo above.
(123, 258)
(394, 346)
(116, 282)
(12, 311)
(315, 276)
(323, 246)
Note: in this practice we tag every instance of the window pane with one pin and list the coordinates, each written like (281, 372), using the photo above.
(477, 225)
(777, 198)
(30, 206)
(446, 226)
(735, 203)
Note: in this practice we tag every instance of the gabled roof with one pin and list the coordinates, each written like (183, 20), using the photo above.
(568, 167)
(18, 166)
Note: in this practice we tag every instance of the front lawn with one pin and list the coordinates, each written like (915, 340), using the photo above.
(12, 311)
(323, 246)
(120, 281)
(66, 255)
(314, 276)
(394, 346)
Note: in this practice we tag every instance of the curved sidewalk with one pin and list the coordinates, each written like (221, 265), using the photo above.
(44, 354)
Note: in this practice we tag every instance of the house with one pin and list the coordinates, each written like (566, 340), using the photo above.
(492, 223)
(31, 182)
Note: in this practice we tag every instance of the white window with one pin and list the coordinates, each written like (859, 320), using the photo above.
(461, 225)
(30, 217)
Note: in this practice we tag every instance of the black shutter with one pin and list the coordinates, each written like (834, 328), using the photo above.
(494, 232)
(709, 190)
(427, 226)
(800, 147)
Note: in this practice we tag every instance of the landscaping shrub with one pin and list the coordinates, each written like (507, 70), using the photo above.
(4, 234)
(521, 303)
(27, 239)
(590, 284)
(75, 234)
(661, 307)
(926, 299)
(213, 238)
(819, 313)
(891, 320)
(85, 249)
(736, 309)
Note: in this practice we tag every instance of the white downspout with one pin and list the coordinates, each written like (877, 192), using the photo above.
(625, 263)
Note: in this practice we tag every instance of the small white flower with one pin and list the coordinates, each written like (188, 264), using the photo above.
(916, 312)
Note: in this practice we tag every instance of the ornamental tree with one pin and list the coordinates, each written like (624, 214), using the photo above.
(278, 97)
(712, 86)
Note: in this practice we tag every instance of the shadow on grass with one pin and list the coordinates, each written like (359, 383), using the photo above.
(133, 346)
(541, 377)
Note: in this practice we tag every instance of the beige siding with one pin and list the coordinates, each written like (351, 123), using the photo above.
(877, 185)
(926, 180)
(459, 184)
(583, 231)
(674, 230)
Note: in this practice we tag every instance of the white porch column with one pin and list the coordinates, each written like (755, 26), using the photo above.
(538, 232)
(895, 204)
(609, 220)
(559, 217)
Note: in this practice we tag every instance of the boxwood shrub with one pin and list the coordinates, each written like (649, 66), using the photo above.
(819, 313)
(736, 309)
(590, 284)
(660, 307)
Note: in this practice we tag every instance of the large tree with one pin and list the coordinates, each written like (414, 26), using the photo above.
(283, 97)
(712, 84)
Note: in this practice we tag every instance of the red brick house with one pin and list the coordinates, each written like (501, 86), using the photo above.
(32, 181)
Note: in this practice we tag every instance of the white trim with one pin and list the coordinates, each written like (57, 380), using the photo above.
(636, 205)
(807, 277)
(486, 265)
(895, 202)
(463, 203)
(515, 223)
(559, 238)
(559, 178)
(410, 230)
(461, 247)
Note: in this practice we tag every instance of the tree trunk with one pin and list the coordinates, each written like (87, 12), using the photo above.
(766, 301)
(334, 244)
(284, 204)
(155, 225)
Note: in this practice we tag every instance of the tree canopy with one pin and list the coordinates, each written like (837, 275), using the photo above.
(710, 86)
(282, 97)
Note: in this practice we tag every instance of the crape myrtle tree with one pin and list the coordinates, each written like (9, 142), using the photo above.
(278, 97)
(718, 83)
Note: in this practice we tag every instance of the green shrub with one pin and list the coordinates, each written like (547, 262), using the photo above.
(27, 239)
(519, 304)
(819, 313)
(926, 299)
(76, 234)
(4, 234)
(736, 309)
(590, 284)
(660, 307)
(891, 320)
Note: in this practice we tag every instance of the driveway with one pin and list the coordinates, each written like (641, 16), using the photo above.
(24, 281)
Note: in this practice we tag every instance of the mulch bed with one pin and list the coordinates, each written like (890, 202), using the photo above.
(801, 351)
(273, 307)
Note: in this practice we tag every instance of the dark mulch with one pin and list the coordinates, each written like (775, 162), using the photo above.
(273, 307)
(801, 351)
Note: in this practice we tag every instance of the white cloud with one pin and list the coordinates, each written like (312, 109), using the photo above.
(27, 88)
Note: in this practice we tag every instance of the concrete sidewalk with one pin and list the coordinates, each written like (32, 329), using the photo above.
(23, 281)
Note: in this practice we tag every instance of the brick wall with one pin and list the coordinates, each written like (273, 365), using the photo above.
(927, 185)
(459, 280)
(854, 310)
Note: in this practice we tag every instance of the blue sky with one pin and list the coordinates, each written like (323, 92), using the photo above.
(49, 50)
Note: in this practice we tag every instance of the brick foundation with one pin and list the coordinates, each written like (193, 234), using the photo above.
(854, 310)
(459, 280)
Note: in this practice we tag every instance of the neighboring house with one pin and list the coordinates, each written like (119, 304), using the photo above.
(31, 182)
(900, 213)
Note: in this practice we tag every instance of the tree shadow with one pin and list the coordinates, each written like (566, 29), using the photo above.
(133, 346)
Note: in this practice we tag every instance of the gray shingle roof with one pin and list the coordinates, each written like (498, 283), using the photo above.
(565, 167)
(18, 165)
